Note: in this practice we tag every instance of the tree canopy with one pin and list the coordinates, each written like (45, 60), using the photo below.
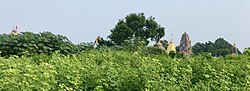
(136, 25)
(220, 47)
(247, 51)
(32, 43)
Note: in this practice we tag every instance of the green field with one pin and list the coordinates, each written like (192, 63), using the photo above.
(109, 70)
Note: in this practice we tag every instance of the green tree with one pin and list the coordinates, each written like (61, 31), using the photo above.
(32, 43)
(220, 47)
(84, 46)
(133, 44)
(164, 43)
(222, 44)
(136, 25)
(199, 47)
(247, 51)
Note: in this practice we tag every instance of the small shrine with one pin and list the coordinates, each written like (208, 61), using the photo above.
(159, 45)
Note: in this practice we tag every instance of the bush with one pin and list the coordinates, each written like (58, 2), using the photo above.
(134, 44)
(85, 46)
(123, 71)
(247, 51)
(30, 43)
(153, 50)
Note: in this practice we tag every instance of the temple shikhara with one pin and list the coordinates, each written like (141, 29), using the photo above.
(171, 47)
(184, 47)
(234, 50)
(14, 31)
(185, 44)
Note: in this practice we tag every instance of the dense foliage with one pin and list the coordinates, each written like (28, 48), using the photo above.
(32, 62)
(247, 51)
(220, 47)
(105, 70)
(32, 43)
(136, 25)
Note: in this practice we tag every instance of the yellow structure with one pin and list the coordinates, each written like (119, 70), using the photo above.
(171, 47)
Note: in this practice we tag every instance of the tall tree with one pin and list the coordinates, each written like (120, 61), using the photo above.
(136, 25)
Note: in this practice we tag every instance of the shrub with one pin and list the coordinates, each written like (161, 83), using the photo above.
(30, 43)
(123, 71)
(152, 50)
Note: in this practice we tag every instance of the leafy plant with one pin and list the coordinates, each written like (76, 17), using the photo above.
(105, 70)
(30, 43)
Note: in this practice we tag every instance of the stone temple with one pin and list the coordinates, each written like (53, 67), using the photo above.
(185, 44)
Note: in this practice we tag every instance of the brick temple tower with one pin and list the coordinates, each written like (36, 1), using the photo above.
(185, 44)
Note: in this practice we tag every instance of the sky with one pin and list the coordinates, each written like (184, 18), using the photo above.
(84, 20)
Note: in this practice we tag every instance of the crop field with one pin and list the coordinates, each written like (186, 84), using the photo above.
(124, 71)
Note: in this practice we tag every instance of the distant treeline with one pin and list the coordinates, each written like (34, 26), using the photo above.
(132, 33)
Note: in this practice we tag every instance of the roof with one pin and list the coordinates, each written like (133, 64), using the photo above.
(158, 44)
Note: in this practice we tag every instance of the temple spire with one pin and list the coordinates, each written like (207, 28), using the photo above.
(14, 31)
(234, 50)
(185, 44)
(171, 47)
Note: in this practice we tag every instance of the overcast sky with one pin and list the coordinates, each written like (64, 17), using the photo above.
(84, 20)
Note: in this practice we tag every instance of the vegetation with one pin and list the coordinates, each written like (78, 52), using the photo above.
(220, 47)
(46, 61)
(136, 25)
(105, 70)
(30, 43)
(247, 51)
